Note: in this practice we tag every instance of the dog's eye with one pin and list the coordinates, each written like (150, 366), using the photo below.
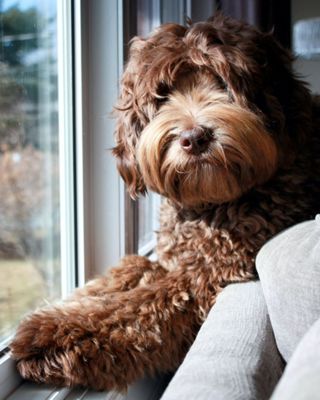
(163, 92)
(161, 100)
(222, 84)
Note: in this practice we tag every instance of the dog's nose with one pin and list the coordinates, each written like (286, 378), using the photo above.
(195, 141)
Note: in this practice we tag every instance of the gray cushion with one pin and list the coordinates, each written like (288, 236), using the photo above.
(234, 355)
(301, 379)
(289, 270)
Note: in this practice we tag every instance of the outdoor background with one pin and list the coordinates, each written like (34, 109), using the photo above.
(29, 173)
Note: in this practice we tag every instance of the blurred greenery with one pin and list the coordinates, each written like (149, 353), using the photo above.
(20, 29)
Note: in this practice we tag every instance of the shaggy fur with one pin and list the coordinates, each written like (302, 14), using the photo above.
(257, 173)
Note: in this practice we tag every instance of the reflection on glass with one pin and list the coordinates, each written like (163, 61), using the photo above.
(29, 172)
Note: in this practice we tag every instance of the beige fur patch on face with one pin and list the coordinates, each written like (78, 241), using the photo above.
(241, 152)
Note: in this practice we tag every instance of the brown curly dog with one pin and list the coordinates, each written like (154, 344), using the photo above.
(213, 118)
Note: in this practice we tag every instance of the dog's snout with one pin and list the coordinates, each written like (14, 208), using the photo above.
(195, 141)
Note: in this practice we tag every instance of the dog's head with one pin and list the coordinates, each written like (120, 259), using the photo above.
(205, 112)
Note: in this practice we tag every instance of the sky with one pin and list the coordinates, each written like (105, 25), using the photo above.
(49, 5)
(23, 4)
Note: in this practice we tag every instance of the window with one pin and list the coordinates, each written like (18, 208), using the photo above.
(304, 39)
(30, 153)
(37, 224)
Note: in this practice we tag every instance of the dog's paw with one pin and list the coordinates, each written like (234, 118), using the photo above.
(36, 347)
(68, 367)
(43, 369)
(35, 334)
(65, 347)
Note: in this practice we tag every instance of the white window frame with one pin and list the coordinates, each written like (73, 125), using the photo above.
(68, 235)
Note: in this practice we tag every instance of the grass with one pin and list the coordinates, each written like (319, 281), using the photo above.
(21, 290)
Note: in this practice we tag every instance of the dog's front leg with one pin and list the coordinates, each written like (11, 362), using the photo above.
(107, 342)
(132, 271)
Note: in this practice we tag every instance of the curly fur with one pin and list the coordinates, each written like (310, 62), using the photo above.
(259, 175)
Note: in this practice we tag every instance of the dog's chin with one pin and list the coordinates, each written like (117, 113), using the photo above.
(195, 182)
(198, 183)
(217, 176)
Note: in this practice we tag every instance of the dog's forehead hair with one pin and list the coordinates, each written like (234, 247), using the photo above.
(189, 80)
(172, 57)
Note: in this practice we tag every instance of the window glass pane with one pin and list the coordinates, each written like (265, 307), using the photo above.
(305, 22)
(29, 155)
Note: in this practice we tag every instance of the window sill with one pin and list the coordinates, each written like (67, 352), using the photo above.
(9, 378)
(13, 387)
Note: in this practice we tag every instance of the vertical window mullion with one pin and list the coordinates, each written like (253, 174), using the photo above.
(80, 127)
(66, 141)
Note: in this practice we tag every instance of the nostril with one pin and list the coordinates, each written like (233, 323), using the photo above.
(202, 141)
(185, 142)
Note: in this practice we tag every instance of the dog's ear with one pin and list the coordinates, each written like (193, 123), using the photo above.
(130, 122)
(127, 131)
(142, 87)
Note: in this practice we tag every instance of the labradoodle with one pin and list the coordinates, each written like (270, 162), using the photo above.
(213, 118)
